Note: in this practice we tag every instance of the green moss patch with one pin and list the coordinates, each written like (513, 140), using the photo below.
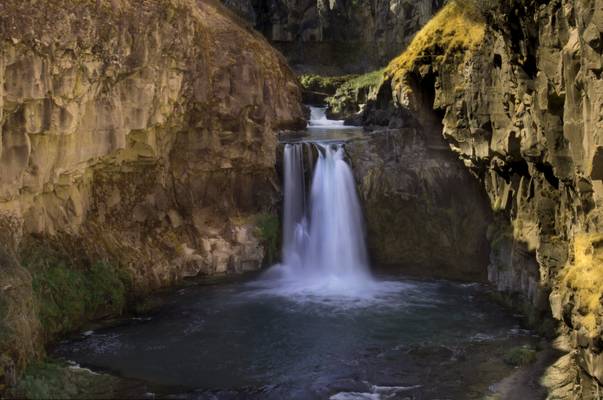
(269, 229)
(50, 380)
(355, 92)
(450, 37)
(520, 356)
(70, 292)
(324, 84)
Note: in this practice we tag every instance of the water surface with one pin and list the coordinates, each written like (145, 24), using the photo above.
(319, 326)
(414, 339)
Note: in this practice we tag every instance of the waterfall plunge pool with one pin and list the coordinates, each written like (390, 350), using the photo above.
(319, 326)
(243, 340)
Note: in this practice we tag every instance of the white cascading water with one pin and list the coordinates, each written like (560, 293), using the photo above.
(319, 120)
(324, 250)
(324, 254)
(325, 242)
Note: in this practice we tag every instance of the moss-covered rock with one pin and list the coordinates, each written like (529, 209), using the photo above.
(520, 356)
(351, 97)
(317, 88)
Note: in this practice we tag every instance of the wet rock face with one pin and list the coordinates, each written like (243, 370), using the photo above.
(425, 213)
(138, 132)
(332, 37)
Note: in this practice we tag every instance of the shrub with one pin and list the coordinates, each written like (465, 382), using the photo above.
(324, 84)
(53, 380)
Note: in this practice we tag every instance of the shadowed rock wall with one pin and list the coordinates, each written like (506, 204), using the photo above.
(335, 37)
(425, 214)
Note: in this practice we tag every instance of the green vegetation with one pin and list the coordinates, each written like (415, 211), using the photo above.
(51, 380)
(324, 84)
(269, 228)
(353, 93)
(520, 356)
(370, 79)
(69, 293)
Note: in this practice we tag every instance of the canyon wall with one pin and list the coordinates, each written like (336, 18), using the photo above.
(425, 214)
(518, 88)
(138, 144)
(335, 37)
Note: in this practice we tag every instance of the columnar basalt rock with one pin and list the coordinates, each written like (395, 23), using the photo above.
(425, 214)
(337, 36)
(142, 133)
(520, 100)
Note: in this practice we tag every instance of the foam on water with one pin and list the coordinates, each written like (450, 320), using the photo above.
(375, 393)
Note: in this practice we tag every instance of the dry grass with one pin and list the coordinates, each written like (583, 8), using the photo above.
(584, 278)
(450, 34)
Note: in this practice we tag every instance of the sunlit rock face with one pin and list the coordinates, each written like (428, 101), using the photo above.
(139, 132)
(519, 95)
(330, 37)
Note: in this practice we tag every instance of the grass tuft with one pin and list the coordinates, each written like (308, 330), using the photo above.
(582, 278)
(269, 229)
(68, 294)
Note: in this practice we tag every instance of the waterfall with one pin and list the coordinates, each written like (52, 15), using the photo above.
(324, 247)
(294, 209)
(319, 120)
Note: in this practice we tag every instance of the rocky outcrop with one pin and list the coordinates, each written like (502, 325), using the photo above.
(518, 87)
(137, 133)
(424, 211)
(334, 37)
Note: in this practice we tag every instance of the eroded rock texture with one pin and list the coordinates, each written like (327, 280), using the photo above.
(425, 214)
(521, 106)
(137, 132)
(332, 37)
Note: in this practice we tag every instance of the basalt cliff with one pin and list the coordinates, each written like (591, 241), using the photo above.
(138, 144)
(515, 90)
(331, 37)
